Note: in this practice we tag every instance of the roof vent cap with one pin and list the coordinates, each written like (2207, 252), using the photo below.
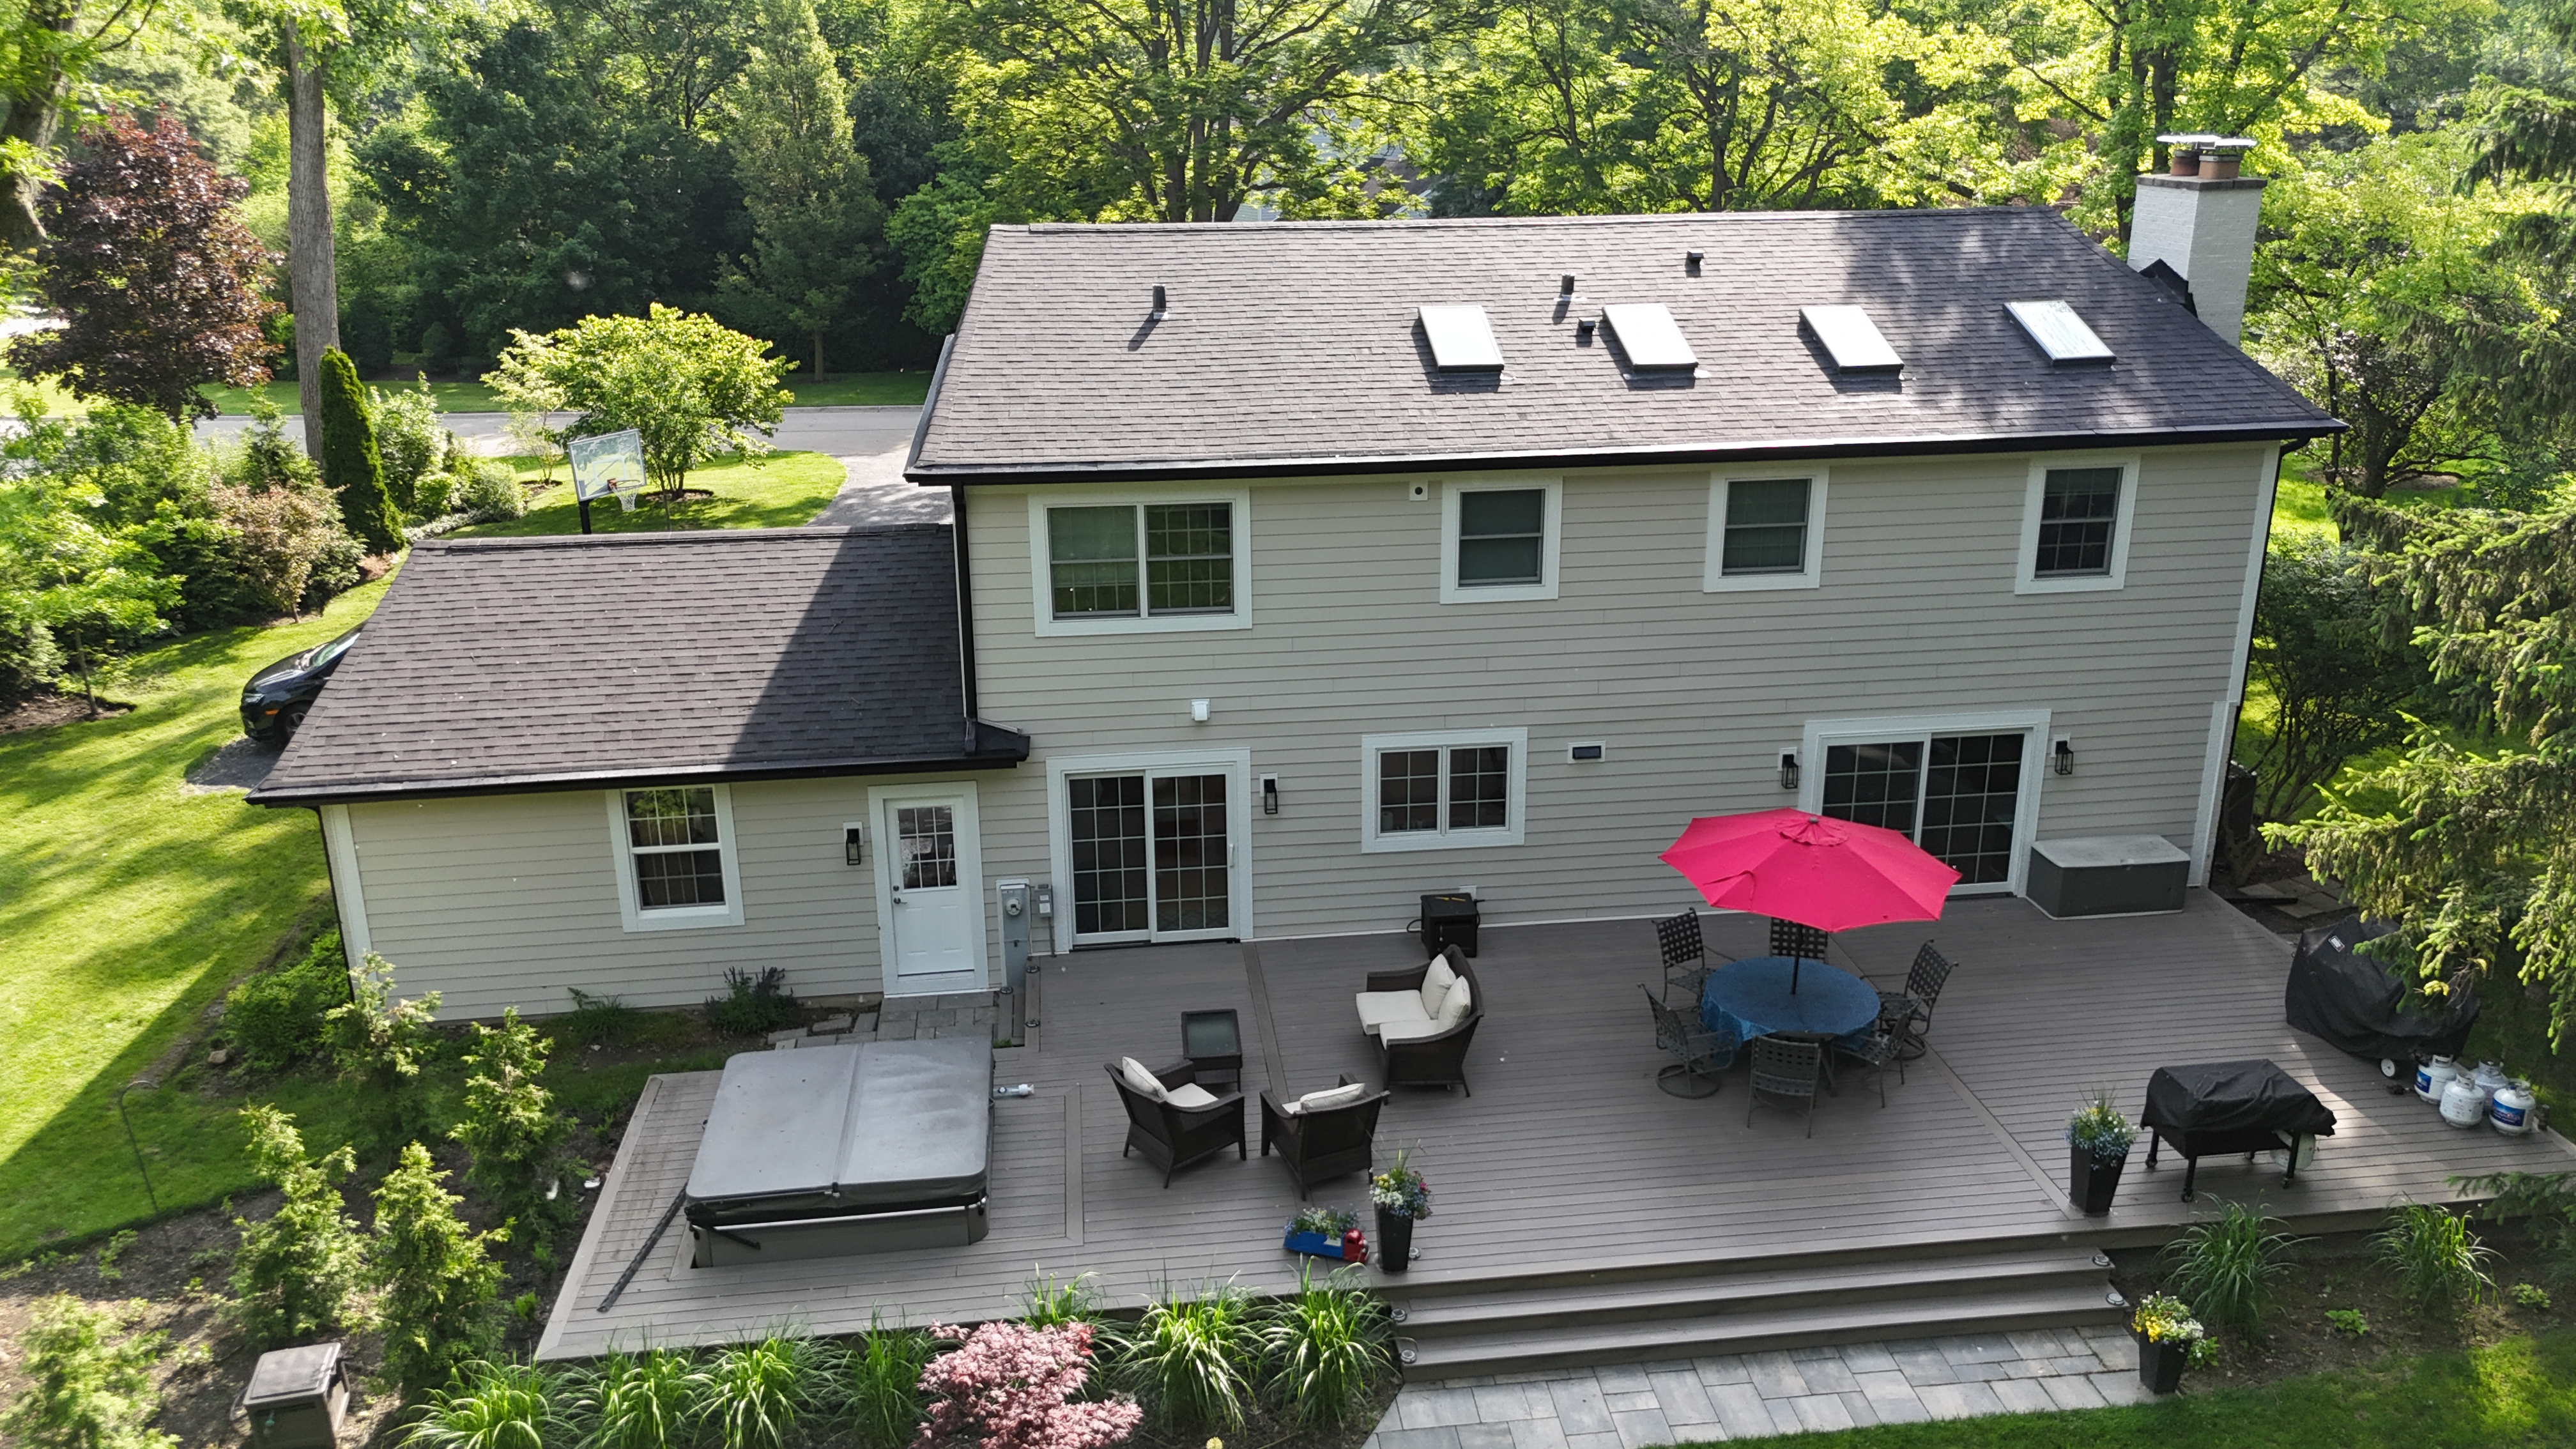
(1851, 339)
(1161, 303)
(1649, 335)
(1462, 340)
(2059, 332)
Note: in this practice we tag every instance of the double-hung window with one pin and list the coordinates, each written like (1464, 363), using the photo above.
(2075, 526)
(676, 857)
(1765, 532)
(1434, 790)
(1139, 565)
(1499, 541)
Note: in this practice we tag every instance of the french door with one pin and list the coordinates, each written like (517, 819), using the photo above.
(1151, 853)
(1961, 796)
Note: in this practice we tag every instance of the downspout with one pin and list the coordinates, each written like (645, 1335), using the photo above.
(965, 597)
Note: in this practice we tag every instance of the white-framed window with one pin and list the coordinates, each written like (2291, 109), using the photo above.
(2076, 522)
(1140, 562)
(1439, 789)
(674, 848)
(1498, 540)
(1766, 530)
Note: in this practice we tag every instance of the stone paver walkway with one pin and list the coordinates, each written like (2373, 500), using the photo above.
(1746, 1396)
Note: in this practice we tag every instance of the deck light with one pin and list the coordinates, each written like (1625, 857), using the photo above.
(1788, 769)
(854, 844)
(2061, 756)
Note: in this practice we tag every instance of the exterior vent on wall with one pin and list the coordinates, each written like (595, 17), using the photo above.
(1649, 335)
(1851, 339)
(2059, 332)
(1461, 339)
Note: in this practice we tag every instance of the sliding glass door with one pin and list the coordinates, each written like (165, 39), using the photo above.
(1149, 853)
(1959, 796)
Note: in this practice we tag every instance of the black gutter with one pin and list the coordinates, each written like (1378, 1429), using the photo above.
(2287, 433)
(1001, 759)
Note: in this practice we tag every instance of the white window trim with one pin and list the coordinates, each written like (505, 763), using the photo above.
(1042, 579)
(1516, 796)
(1820, 733)
(1234, 764)
(1451, 591)
(1715, 579)
(969, 827)
(675, 918)
(2026, 578)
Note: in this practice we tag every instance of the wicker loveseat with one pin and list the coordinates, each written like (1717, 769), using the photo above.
(1424, 1019)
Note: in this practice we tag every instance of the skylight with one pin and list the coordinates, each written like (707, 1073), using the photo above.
(1649, 335)
(2059, 332)
(1852, 339)
(1461, 339)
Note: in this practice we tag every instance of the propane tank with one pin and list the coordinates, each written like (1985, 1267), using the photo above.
(2490, 1078)
(2511, 1112)
(2431, 1077)
(2463, 1105)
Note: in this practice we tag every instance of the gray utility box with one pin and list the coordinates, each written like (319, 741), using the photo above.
(2108, 875)
(297, 1397)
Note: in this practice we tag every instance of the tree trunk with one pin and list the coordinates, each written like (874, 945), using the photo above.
(312, 274)
(35, 108)
(818, 354)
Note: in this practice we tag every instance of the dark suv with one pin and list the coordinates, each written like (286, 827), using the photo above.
(274, 701)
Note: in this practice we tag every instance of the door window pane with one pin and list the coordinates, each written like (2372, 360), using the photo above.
(1110, 879)
(1092, 555)
(1189, 558)
(926, 836)
(1480, 779)
(1189, 853)
(2078, 508)
(1501, 536)
(1874, 784)
(1766, 526)
(664, 830)
(1970, 791)
(1408, 790)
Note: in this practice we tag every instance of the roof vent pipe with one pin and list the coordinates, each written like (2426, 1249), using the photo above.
(1690, 262)
(1160, 303)
(1565, 285)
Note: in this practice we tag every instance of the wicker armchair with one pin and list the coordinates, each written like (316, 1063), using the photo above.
(1438, 1059)
(1174, 1137)
(1319, 1146)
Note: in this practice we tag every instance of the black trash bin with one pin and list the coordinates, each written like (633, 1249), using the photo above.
(297, 1397)
(1448, 920)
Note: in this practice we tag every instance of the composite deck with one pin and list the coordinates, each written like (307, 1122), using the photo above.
(1567, 1157)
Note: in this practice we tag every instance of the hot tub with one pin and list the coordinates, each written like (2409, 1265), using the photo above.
(827, 1151)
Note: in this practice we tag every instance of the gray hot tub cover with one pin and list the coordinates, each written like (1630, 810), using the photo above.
(881, 1124)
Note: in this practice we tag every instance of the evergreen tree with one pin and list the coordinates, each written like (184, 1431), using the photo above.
(295, 1270)
(350, 461)
(511, 1125)
(438, 1277)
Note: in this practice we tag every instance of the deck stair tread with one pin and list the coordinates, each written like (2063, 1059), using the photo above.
(1777, 1327)
(1710, 1293)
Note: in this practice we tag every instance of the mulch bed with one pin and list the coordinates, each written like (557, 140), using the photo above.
(46, 708)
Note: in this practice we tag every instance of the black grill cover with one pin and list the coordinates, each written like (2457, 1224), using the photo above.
(2357, 1003)
(2234, 1097)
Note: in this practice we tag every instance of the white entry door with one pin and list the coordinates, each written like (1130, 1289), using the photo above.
(930, 889)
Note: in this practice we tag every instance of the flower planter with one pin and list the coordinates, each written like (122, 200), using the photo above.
(2160, 1365)
(1394, 1242)
(1314, 1245)
(2091, 1183)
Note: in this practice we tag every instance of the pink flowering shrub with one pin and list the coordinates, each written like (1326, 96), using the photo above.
(1011, 1387)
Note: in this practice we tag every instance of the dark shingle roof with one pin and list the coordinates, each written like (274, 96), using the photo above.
(527, 663)
(1293, 347)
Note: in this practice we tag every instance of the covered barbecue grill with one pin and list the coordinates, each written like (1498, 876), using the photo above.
(2217, 1108)
(825, 1151)
(2359, 1004)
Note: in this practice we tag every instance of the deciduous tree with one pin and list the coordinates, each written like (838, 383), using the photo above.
(692, 387)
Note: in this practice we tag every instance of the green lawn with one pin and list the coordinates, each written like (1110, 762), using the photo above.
(783, 490)
(2521, 1392)
(906, 389)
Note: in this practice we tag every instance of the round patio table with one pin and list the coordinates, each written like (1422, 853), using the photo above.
(1751, 998)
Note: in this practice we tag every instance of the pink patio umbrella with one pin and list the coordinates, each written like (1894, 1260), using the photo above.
(1829, 874)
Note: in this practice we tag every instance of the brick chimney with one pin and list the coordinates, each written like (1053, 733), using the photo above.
(2200, 223)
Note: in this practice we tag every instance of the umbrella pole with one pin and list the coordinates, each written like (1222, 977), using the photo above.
(1795, 962)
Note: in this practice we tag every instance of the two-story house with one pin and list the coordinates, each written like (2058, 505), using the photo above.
(1297, 570)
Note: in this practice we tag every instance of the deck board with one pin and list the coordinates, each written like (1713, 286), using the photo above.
(1566, 1157)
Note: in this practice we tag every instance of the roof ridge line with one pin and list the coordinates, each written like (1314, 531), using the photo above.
(1511, 222)
(673, 537)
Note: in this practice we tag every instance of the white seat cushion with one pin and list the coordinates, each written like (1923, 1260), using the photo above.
(1330, 1097)
(1190, 1096)
(1380, 1007)
(1141, 1079)
(1453, 1007)
(1395, 1031)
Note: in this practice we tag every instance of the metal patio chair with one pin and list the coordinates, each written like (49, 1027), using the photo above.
(1908, 1013)
(1786, 1072)
(1699, 1053)
(1685, 954)
(1876, 1053)
(1806, 943)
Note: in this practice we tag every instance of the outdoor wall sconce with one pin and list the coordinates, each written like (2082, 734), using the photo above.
(1270, 794)
(2061, 755)
(1198, 711)
(1788, 770)
(854, 844)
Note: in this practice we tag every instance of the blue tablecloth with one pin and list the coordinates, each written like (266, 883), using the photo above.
(1751, 998)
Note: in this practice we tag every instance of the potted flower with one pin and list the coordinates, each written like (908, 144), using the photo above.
(2168, 1339)
(1402, 1199)
(1322, 1232)
(2098, 1137)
